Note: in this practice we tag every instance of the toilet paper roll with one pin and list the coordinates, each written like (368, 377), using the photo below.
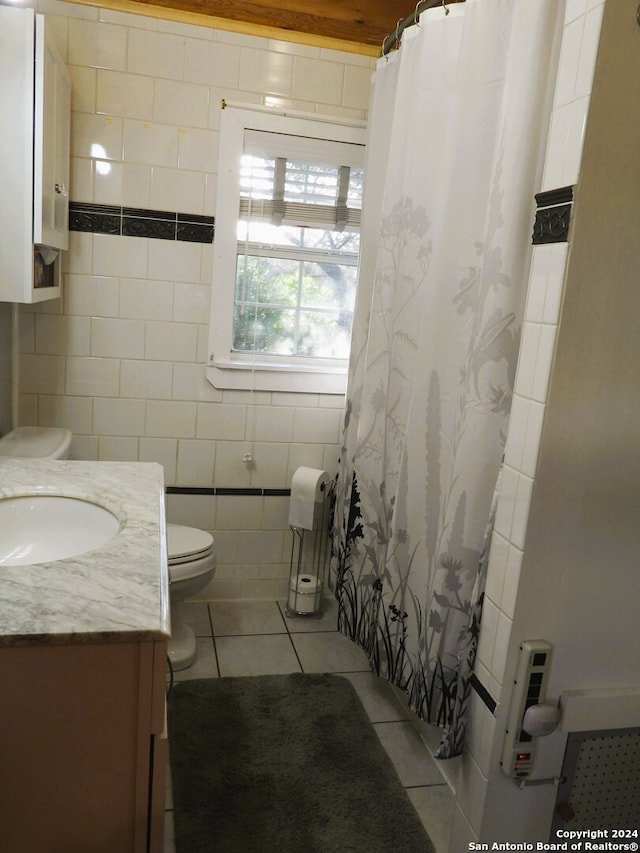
(306, 492)
(303, 594)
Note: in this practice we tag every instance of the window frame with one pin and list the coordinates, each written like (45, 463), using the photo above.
(255, 371)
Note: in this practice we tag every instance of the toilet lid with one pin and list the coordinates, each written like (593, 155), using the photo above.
(187, 543)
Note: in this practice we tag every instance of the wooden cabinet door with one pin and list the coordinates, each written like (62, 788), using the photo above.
(75, 748)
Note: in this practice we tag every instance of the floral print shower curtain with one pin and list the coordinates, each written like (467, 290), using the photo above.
(458, 127)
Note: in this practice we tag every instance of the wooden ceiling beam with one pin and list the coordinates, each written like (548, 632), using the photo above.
(365, 24)
(345, 24)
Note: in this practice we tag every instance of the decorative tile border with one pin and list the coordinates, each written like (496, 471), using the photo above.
(98, 218)
(223, 490)
(483, 693)
(138, 222)
(552, 216)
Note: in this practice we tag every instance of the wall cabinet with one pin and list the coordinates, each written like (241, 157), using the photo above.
(83, 747)
(35, 113)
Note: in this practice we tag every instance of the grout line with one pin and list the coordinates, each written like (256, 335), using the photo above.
(295, 651)
(283, 617)
(442, 784)
(215, 654)
(258, 634)
(210, 615)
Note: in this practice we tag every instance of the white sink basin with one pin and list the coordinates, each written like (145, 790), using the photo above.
(43, 528)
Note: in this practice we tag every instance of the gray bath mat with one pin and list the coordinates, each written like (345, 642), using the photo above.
(283, 764)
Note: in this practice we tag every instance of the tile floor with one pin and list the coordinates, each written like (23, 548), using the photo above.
(257, 638)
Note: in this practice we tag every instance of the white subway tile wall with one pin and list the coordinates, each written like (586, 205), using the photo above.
(542, 316)
(583, 19)
(120, 360)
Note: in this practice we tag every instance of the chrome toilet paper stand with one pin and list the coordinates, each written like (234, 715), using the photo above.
(310, 552)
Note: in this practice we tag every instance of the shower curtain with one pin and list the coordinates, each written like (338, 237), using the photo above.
(458, 127)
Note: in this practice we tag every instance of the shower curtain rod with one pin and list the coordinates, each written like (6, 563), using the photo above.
(394, 39)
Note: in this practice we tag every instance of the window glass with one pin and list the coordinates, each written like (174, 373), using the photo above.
(298, 301)
(287, 235)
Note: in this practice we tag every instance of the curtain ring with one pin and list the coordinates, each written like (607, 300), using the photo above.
(416, 15)
(398, 34)
(445, 7)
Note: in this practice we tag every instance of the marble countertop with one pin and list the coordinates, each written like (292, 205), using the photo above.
(117, 592)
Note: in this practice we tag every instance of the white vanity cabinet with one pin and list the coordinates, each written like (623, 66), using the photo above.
(35, 115)
(83, 747)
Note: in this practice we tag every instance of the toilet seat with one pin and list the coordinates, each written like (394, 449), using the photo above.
(187, 544)
(190, 552)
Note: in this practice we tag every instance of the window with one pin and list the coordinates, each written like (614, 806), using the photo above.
(285, 251)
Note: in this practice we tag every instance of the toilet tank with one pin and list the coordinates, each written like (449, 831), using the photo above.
(30, 442)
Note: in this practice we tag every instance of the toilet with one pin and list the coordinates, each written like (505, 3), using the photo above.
(191, 554)
(29, 442)
(192, 563)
